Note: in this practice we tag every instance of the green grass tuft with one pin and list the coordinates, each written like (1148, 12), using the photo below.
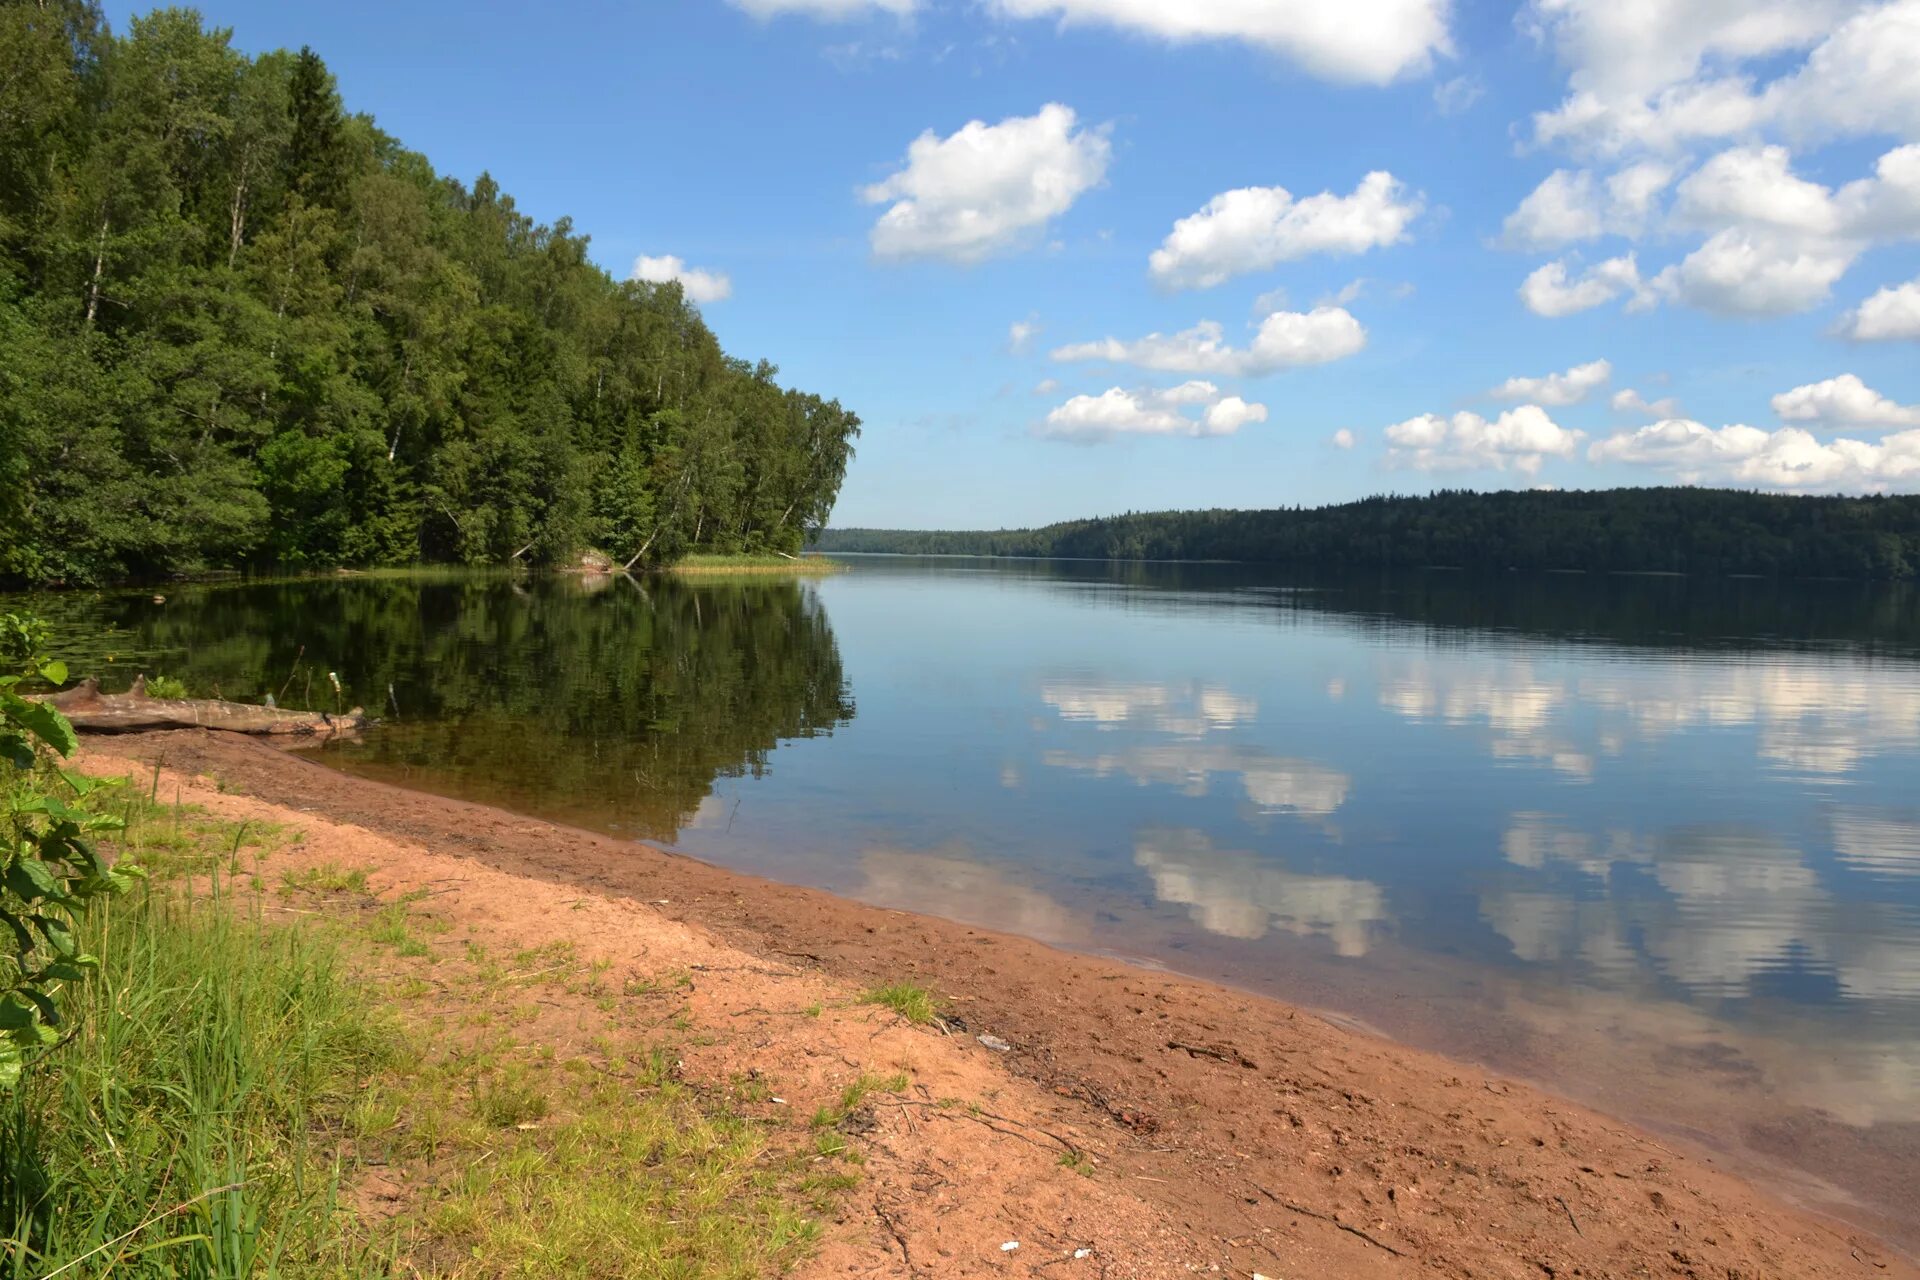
(914, 1003)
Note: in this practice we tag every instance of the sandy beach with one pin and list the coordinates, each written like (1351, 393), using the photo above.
(1103, 1118)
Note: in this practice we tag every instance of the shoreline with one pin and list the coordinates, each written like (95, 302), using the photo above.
(1221, 1105)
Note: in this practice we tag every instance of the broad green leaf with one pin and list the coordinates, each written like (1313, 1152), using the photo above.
(49, 1011)
(41, 720)
(32, 879)
(21, 934)
(54, 672)
(10, 1063)
(16, 1012)
(59, 937)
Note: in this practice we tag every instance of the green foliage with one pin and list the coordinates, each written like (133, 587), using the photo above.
(181, 1134)
(50, 869)
(1669, 530)
(166, 687)
(246, 328)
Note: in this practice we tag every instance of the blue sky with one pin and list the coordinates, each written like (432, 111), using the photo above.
(1747, 154)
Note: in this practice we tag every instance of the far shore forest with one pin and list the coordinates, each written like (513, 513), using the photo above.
(244, 329)
(1662, 530)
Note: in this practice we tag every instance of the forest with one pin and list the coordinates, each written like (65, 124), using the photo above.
(1661, 530)
(246, 329)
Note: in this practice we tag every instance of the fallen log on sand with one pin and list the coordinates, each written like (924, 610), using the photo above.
(135, 711)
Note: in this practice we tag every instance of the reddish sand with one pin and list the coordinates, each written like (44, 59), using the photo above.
(1226, 1133)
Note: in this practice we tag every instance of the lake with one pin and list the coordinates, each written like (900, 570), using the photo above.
(1653, 842)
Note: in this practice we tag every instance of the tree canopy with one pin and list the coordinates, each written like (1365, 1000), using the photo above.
(1675, 530)
(245, 328)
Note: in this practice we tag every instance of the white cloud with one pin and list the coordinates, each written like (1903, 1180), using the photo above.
(1755, 186)
(1631, 401)
(1274, 299)
(987, 189)
(1550, 291)
(1523, 438)
(1844, 401)
(1456, 96)
(1370, 41)
(1789, 458)
(1254, 228)
(1661, 73)
(1020, 333)
(1229, 415)
(1119, 412)
(1046, 386)
(1562, 209)
(1346, 295)
(1891, 314)
(700, 285)
(1754, 273)
(826, 10)
(1285, 340)
(1343, 438)
(1571, 387)
(1779, 242)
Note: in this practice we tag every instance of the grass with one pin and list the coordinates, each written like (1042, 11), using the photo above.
(914, 1003)
(207, 1057)
(768, 563)
(231, 1080)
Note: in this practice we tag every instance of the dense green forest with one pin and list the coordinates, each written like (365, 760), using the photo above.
(243, 328)
(1679, 530)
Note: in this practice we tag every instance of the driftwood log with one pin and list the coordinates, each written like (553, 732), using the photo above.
(134, 711)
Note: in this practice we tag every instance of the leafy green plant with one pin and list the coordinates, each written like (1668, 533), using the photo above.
(52, 872)
(166, 687)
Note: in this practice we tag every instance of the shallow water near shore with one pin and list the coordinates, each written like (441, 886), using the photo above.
(1651, 841)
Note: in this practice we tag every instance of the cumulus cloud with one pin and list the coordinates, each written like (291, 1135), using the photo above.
(700, 285)
(1522, 438)
(1343, 438)
(1021, 333)
(1119, 412)
(826, 10)
(1629, 400)
(1665, 73)
(1368, 41)
(1891, 314)
(1284, 340)
(1789, 458)
(1254, 228)
(987, 189)
(1571, 387)
(1046, 386)
(1552, 290)
(1779, 242)
(1844, 401)
(1571, 205)
(1752, 273)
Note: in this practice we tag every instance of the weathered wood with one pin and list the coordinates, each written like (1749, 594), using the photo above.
(135, 711)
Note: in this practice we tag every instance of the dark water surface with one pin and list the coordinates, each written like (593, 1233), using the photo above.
(1653, 841)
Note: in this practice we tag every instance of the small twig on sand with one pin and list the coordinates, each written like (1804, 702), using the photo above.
(1570, 1218)
(1349, 1228)
(899, 1237)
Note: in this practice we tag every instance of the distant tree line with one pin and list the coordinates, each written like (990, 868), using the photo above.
(1680, 530)
(240, 327)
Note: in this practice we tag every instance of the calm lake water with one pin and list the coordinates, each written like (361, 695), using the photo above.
(1652, 841)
